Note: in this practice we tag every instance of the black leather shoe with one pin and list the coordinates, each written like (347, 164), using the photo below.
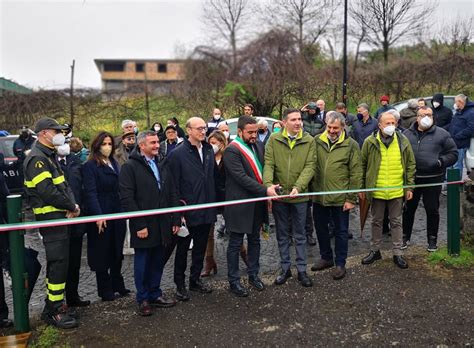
(4, 323)
(400, 261)
(322, 264)
(78, 302)
(162, 302)
(256, 282)
(124, 292)
(311, 240)
(238, 290)
(283, 277)
(372, 257)
(182, 294)
(108, 297)
(199, 286)
(304, 279)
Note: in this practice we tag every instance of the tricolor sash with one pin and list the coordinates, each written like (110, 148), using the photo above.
(250, 156)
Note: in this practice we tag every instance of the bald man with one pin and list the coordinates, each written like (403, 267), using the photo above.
(193, 166)
(387, 161)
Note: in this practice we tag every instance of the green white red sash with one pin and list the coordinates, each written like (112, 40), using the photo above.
(250, 156)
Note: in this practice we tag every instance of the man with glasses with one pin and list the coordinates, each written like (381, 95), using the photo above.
(193, 166)
(434, 151)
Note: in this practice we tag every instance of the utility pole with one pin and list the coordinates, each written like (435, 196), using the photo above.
(147, 105)
(72, 92)
(344, 58)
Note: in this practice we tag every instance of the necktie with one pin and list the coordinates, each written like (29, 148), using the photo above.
(154, 168)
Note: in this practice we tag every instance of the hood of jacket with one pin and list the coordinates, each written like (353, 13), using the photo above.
(438, 97)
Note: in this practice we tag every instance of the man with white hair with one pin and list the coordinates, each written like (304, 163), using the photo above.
(408, 114)
(263, 132)
(462, 127)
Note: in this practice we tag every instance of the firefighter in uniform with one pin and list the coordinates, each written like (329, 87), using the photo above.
(51, 198)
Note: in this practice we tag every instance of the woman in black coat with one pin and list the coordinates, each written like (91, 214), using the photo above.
(104, 238)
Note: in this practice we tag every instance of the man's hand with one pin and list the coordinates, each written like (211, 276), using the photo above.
(409, 195)
(348, 206)
(101, 225)
(361, 195)
(144, 233)
(271, 191)
(294, 192)
(75, 213)
(175, 229)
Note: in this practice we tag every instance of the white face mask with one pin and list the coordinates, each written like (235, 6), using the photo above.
(157, 128)
(226, 133)
(216, 117)
(135, 130)
(426, 122)
(63, 150)
(215, 148)
(389, 130)
(455, 107)
(58, 139)
(436, 104)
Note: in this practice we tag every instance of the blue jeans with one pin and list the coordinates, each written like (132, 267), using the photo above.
(460, 162)
(291, 218)
(322, 215)
(233, 252)
(148, 270)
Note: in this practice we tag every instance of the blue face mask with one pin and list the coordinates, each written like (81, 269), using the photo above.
(360, 117)
(276, 130)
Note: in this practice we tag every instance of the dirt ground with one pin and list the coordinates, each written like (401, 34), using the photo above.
(376, 305)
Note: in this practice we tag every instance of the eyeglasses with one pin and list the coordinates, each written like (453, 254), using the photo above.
(200, 129)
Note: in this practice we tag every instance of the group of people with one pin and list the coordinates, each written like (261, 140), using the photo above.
(309, 150)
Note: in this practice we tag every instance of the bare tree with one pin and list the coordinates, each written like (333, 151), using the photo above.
(306, 19)
(226, 18)
(387, 21)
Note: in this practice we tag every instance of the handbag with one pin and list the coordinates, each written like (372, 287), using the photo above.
(183, 230)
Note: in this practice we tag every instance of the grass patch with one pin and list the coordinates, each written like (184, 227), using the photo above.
(464, 260)
(49, 336)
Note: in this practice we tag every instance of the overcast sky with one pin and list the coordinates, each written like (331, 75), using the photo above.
(39, 39)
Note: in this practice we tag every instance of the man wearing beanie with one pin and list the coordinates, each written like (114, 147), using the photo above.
(385, 106)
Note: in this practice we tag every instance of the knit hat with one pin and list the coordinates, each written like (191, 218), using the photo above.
(384, 98)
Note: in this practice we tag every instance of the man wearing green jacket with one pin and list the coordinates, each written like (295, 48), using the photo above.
(289, 162)
(387, 161)
(337, 168)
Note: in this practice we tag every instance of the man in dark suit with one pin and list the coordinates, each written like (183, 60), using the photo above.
(193, 166)
(146, 184)
(243, 161)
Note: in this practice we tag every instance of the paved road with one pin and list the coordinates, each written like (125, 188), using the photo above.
(269, 257)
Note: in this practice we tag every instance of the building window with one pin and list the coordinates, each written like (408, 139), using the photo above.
(162, 68)
(139, 67)
(114, 66)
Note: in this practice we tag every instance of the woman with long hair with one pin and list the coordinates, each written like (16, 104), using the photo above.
(104, 238)
(218, 141)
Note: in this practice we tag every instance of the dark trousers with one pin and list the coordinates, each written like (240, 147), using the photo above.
(322, 215)
(291, 218)
(199, 235)
(309, 227)
(148, 270)
(110, 281)
(431, 203)
(233, 252)
(56, 245)
(75, 254)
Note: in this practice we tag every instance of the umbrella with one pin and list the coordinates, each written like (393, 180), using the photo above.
(364, 212)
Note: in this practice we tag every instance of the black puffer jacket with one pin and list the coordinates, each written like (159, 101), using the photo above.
(434, 150)
(442, 114)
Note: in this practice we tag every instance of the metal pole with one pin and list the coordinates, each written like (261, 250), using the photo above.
(344, 58)
(17, 260)
(454, 243)
(71, 92)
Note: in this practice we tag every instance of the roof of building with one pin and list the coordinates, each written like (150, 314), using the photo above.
(11, 86)
(98, 61)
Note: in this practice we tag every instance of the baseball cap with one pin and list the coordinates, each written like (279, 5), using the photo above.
(312, 106)
(48, 123)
